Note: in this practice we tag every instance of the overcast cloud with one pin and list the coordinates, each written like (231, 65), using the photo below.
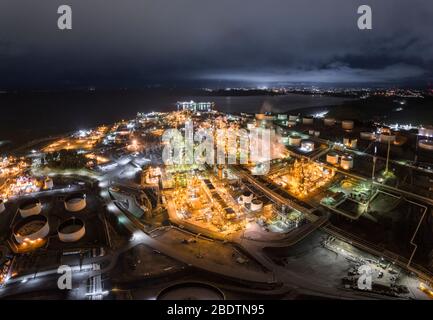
(134, 42)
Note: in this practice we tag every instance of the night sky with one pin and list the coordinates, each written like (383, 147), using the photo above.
(252, 42)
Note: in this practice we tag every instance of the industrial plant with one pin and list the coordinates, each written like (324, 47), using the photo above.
(108, 203)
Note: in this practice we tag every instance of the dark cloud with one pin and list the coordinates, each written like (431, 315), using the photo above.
(133, 42)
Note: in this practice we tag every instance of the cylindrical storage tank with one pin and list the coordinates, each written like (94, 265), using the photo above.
(347, 124)
(282, 116)
(307, 120)
(329, 121)
(426, 131)
(423, 144)
(2, 206)
(31, 229)
(75, 202)
(387, 137)
(71, 230)
(367, 135)
(247, 197)
(30, 207)
(191, 291)
(295, 140)
(311, 132)
(48, 183)
(293, 117)
(332, 158)
(256, 205)
(316, 133)
(346, 162)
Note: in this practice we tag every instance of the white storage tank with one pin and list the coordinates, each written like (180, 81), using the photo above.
(386, 137)
(31, 229)
(329, 121)
(71, 230)
(332, 158)
(366, 135)
(256, 205)
(295, 140)
(346, 162)
(423, 144)
(75, 202)
(316, 133)
(30, 207)
(282, 116)
(347, 124)
(293, 117)
(307, 120)
(2, 206)
(191, 291)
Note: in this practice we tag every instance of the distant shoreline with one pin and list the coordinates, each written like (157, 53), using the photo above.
(50, 113)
